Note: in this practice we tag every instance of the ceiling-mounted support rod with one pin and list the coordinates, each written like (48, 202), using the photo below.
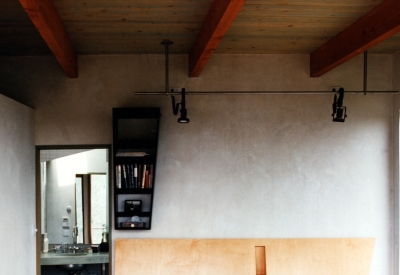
(166, 43)
(365, 72)
(266, 93)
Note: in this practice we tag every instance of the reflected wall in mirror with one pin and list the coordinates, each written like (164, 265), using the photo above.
(74, 195)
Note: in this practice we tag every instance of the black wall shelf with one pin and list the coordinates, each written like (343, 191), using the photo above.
(135, 140)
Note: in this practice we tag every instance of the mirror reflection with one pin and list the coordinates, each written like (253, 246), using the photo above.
(74, 187)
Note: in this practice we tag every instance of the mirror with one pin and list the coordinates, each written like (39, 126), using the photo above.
(75, 194)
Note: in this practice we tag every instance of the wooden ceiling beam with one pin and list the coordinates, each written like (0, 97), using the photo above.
(376, 26)
(217, 22)
(47, 21)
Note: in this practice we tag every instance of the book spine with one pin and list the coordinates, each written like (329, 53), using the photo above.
(135, 176)
(139, 181)
(132, 176)
(128, 176)
(146, 184)
(119, 176)
(124, 173)
(151, 176)
(143, 175)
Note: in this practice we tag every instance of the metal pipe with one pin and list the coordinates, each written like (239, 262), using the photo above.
(166, 43)
(266, 93)
(365, 71)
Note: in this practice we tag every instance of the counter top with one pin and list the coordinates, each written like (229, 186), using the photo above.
(91, 258)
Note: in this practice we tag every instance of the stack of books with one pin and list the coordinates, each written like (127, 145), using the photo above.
(130, 176)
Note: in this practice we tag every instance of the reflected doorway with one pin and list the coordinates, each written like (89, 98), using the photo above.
(91, 212)
(66, 179)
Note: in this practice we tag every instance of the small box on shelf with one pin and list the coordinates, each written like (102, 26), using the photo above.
(133, 224)
(133, 206)
(137, 222)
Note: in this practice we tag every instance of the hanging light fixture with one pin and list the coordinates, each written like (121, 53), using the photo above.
(339, 111)
(175, 108)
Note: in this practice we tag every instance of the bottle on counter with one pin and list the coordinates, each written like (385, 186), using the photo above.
(45, 243)
(104, 246)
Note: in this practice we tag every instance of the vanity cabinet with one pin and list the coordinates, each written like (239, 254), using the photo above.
(135, 140)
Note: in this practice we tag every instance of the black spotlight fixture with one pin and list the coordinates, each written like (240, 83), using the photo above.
(339, 111)
(175, 108)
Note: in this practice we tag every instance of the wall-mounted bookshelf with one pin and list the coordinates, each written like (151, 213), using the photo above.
(135, 140)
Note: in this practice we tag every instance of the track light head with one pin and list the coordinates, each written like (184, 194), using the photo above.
(175, 108)
(183, 118)
(339, 111)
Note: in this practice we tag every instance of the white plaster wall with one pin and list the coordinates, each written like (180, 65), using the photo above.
(245, 166)
(17, 181)
(396, 189)
(276, 166)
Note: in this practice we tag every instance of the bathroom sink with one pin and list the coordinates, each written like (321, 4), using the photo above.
(70, 254)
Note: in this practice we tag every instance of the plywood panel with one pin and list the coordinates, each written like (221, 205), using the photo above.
(319, 256)
(237, 256)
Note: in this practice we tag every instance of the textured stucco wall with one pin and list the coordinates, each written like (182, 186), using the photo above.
(245, 166)
(17, 181)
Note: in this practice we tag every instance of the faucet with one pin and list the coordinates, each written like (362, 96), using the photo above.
(75, 248)
(75, 234)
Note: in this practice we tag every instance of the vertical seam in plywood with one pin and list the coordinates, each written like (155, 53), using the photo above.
(261, 268)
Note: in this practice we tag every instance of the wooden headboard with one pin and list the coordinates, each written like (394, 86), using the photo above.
(243, 256)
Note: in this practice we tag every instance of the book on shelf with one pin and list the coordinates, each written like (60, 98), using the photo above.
(124, 176)
(146, 181)
(151, 176)
(143, 176)
(128, 176)
(139, 176)
(135, 174)
(118, 183)
(132, 176)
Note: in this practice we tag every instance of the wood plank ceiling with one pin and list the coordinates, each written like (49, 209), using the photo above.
(243, 27)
